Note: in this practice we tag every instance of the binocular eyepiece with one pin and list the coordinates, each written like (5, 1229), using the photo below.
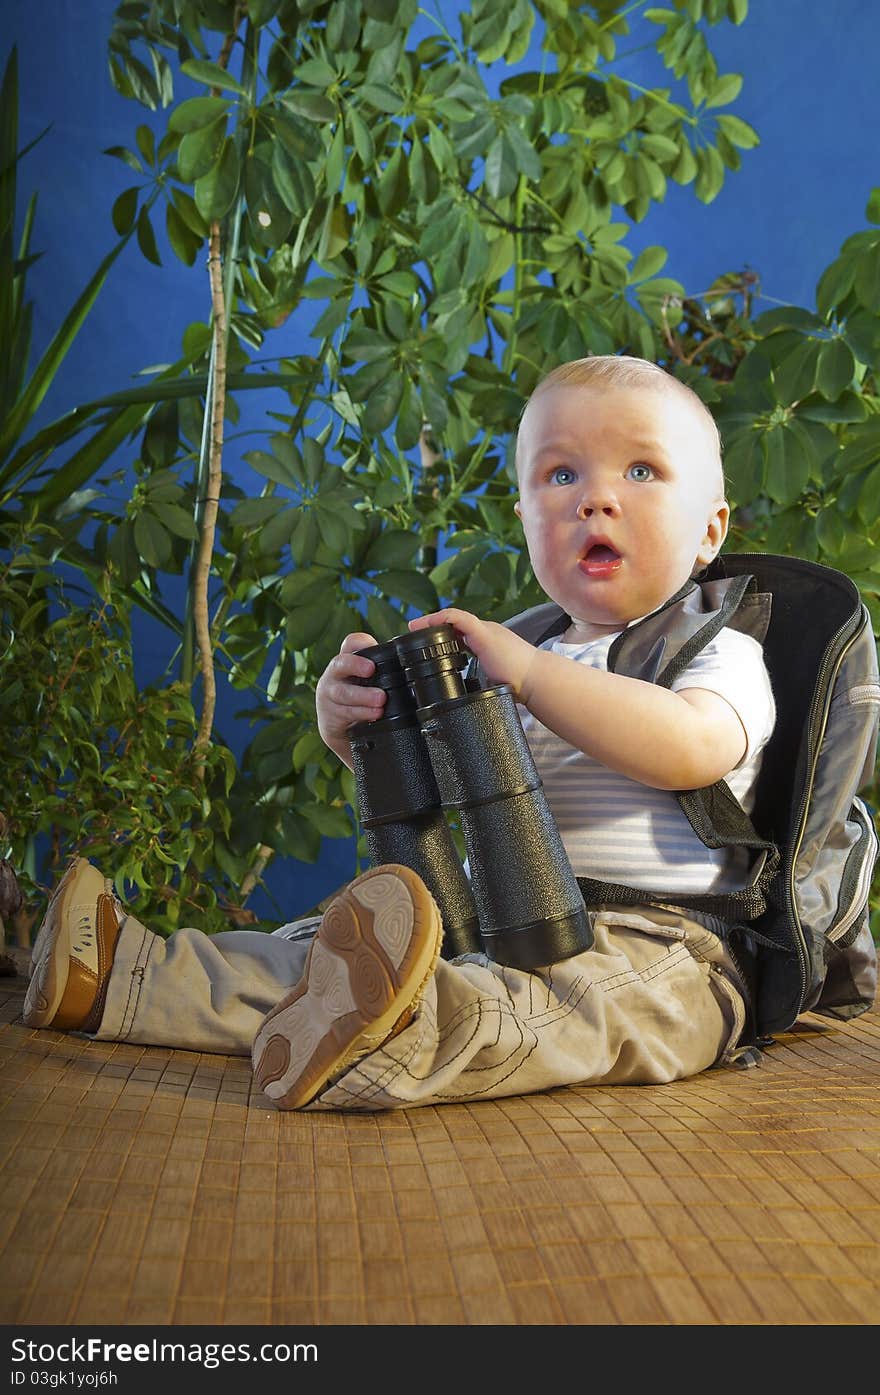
(447, 744)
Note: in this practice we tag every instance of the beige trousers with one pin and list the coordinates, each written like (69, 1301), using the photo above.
(656, 999)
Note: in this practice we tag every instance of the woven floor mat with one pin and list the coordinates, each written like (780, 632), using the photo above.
(151, 1186)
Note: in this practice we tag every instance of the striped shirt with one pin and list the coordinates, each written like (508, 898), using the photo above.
(617, 830)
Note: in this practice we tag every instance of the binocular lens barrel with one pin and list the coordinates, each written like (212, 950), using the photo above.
(462, 747)
(433, 660)
(399, 803)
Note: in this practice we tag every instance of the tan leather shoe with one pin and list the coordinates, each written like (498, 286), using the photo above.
(73, 952)
(375, 950)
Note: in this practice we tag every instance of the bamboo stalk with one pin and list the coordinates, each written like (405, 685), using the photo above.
(211, 505)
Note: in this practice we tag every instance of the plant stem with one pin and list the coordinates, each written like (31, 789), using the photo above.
(202, 569)
(255, 872)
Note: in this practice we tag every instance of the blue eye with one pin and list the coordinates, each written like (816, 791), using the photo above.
(562, 475)
(640, 473)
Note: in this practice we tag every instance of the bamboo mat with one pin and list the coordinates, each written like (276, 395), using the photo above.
(150, 1186)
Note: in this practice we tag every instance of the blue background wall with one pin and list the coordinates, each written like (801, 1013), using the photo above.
(810, 91)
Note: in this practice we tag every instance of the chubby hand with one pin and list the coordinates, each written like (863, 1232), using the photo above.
(504, 656)
(340, 701)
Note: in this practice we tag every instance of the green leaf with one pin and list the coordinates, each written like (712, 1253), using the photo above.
(216, 190)
(648, 263)
(288, 472)
(835, 370)
(392, 187)
(382, 97)
(869, 497)
(835, 284)
(788, 467)
(119, 152)
(685, 168)
(44, 372)
(724, 90)
(147, 238)
(410, 586)
(738, 132)
(795, 376)
(788, 317)
(260, 12)
(200, 150)
(177, 520)
(212, 75)
(391, 548)
(304, 625)
(409, 418)
(304, 537)
(197, 113)
(867, 279)
(710, 176)
(299, 137)
(151, 539)
(253, 513)
(744, 465)
(184, 243)
(527, 159)
(501, 170)
(334, 528)
(363, 140)
(335, 232)
(186, 207)
(311, 105)
(862, 449)
(831, 531)
(383, 403)
(123, 554)
(275, 533)
(330, 822)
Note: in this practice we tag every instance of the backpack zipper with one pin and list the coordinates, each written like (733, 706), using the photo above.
(865, 862)
(828, 670)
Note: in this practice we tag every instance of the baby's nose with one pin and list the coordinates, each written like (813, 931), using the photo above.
(598, 501)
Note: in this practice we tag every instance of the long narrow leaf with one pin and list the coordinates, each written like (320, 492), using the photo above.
(89, 459)
(83, 465)
(21, 466)
(45, 370)
(194, 386)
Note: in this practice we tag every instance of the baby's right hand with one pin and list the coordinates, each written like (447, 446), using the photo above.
(340, 702)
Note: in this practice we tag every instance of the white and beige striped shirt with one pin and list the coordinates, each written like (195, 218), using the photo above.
(617, 830)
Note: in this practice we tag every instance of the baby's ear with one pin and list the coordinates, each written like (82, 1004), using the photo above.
(716, 532)
(517, 508)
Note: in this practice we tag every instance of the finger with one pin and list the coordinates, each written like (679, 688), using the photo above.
(361, 714)
(358, 640)
(451, 615)
(349, 663)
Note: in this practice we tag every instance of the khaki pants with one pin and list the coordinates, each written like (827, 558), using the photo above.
(656, 999)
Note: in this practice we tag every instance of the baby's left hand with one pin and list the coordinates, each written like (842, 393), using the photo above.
(504, 656)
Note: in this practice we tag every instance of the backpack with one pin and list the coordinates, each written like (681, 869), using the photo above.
(803, 920)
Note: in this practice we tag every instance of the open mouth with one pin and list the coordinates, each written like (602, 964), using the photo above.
(600, 560)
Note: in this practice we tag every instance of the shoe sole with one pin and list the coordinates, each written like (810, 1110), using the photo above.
(376, 948)
(47, 983)
(51, 953)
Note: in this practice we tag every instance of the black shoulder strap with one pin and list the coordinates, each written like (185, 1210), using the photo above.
(658, 649)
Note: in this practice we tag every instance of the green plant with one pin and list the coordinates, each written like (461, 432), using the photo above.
(443, 244)
(104, 764)
(796, 393)
(446, 227)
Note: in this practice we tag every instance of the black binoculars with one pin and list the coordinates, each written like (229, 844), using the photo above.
(446, 743)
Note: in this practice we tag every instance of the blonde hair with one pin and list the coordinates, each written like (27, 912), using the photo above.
(624, 371)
